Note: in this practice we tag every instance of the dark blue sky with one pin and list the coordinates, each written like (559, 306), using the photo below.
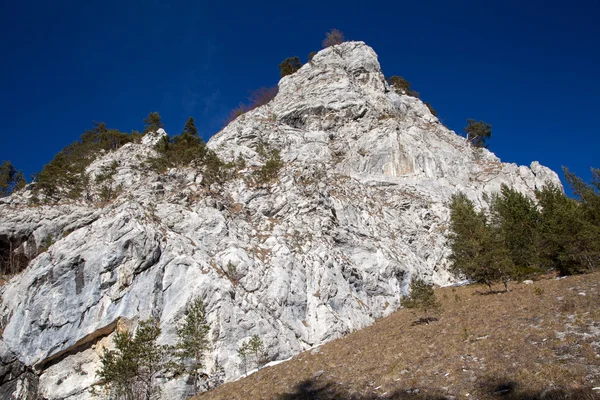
(529, 68)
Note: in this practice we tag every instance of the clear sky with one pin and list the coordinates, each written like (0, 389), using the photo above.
(530, 68)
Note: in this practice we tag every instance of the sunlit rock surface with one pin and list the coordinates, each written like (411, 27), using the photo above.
(359, 208)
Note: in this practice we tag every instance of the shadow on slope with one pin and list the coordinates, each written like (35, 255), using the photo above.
(499, 389)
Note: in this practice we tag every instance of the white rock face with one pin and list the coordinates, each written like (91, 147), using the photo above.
(359, 208)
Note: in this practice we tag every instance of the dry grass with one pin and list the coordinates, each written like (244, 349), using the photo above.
(539, 341)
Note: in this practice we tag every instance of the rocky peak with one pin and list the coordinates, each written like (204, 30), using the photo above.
(358, 208)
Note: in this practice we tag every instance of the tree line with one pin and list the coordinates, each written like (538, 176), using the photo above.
(518, 237)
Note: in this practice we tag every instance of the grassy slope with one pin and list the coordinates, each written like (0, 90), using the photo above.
(538, 341)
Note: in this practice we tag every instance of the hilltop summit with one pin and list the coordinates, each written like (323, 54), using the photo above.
(358, 208)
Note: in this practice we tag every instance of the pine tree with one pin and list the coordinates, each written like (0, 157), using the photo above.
(152, 122)
(494, 262)
(478, 132)
(468, 230)
(517, 220)
(588, 195)
(421, 297)
(11, 179)
(569, 241)
(190, 128)
(193, 341)
(478, 251)
(289, 66)
(129, 371)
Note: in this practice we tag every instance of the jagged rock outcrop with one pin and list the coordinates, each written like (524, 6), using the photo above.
(359, 207)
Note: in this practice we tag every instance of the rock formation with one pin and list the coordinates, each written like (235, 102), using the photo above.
(359, 207)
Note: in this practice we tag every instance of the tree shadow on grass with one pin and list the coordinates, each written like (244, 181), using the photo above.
(507, 389)
(492, 389)
(313, 390)
(424, 321)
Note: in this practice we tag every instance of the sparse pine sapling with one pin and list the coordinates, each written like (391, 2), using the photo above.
(193, 341)
(217, 375)
(257, 349)
(421, 298)
(243, 352)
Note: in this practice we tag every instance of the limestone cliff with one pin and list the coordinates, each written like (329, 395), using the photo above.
(359, 207)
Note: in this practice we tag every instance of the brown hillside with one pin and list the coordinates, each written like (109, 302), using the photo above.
(538, 341)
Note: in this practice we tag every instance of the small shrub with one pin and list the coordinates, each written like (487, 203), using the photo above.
(235, 113)
(107, 172)
(188, 149)
(45, 244)
(332, 38)
(109, 192)
(311, 55)
(538, 291)
(257, 98)
(231, 273)
(270, 170)
(240, 162)
(261, 149)
(262, 96)
(215, 170)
